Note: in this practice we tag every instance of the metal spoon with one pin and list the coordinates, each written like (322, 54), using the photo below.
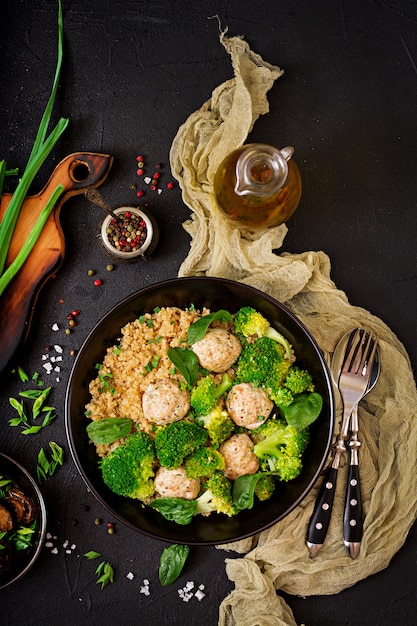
(352, 519)
(97, 199)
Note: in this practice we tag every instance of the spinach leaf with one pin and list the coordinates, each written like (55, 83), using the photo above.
(177, 510)
(244, 489)
(304, 410)
(109, 429)
(186, 362)
(172, 562)
(198, 329)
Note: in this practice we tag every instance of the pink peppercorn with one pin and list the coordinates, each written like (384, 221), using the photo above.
(156, 175)
(170, 185)
(139, 158)
(140, 172)
(140, 193)
(98, 282)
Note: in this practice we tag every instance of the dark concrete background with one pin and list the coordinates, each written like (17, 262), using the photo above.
(133, 72)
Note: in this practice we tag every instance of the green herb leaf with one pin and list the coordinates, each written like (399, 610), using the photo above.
(37, 405)
(177, 510)
(92, 555)
(198, 329)
(243, 490)
(186, 362)
(32, 394)
(47, 467)
(172, 562)
(109, 429)
(304, 410)
(105, 574)
(22, 374)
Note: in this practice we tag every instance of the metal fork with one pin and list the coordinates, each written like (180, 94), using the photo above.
(352, 383)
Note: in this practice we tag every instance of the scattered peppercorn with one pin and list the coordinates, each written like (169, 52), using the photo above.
(140, 193)
(72, 323)
(170, 185)
(139, 172)
(67, 331)
(74, 522)
(75, 312)
(60, 301)
(73, 352)
(156, 175)
(110, 528)
(91, 272)
(98, 521)
(109, 267)
(139, 158)
(98, 282)
(140, 164)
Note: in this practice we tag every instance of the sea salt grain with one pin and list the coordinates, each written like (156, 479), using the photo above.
(145, 587)
(199, 595)
(55, 327)
(130, 576)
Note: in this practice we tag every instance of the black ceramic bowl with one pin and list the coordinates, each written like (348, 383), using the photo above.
(213, 293)
(23, 561)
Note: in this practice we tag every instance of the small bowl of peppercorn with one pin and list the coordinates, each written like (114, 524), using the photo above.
(130, 236)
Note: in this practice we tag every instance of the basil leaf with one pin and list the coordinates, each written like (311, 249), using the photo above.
(243, 490)
(198, 329)
(186, 362)
(109, 429)
(172, 562)
(304, 410)
(177, 510)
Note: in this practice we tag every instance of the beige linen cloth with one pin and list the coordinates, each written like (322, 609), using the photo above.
(277, 559)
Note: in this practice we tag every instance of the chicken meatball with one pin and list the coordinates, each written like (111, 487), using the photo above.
(164, 402)
(176, 484)
(218, 350)
(249, 406)
(239, 456)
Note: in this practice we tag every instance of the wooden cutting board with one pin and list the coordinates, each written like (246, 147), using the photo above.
(77, 172)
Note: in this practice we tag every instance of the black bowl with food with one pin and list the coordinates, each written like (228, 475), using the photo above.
(22, 521)
(189, 294)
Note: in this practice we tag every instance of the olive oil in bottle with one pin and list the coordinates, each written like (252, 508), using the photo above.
(258, 186)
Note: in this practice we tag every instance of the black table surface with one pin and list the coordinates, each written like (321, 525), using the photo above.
(132, 74)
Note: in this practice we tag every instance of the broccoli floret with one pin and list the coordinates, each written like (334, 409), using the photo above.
(204, 462)
(280, 447)
(177, 440)
(298, 380)
(282, 396)
(248, 322)
(219, 425)
(262, 363)
(128, 470)
(205, 394)
(217, 497)
(265, 487)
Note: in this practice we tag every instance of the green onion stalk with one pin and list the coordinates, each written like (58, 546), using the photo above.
(42, 147)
